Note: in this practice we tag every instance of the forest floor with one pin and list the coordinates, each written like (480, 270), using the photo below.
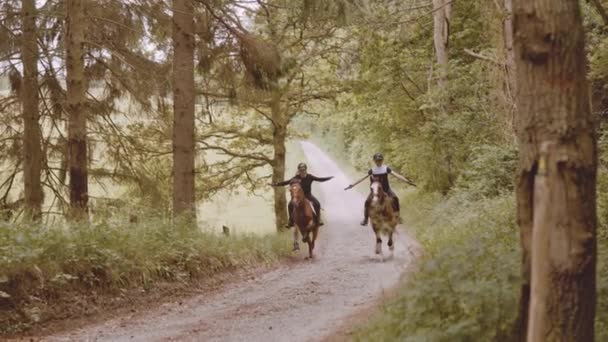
(307, 300)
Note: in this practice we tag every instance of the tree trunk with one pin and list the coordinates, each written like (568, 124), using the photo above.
(32, 152)
(442, 10)
(77, 120)
(278, 167)
(183, 109)
(509, 51)
(557, 172)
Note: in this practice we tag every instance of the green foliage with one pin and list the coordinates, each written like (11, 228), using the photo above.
(601, 310)
(602, 186)
(489, 172)
(41, 265)
(457, 142)
(429, 132)
(466, 288)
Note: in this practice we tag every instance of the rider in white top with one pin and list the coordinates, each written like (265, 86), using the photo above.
(380, 171)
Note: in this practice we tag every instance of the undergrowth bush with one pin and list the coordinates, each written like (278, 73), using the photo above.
(488, 172)
(467, 286)
(40, 265)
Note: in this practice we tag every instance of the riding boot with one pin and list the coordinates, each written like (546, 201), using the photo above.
(366, 212)
(290, 221)
(317, 208)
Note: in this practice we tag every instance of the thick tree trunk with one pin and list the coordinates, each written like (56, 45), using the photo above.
(77, 119)
(557, 172)
(32, 151)
(442, 10)
(278, 166)
(183, 109)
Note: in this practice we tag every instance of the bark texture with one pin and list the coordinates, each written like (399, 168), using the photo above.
(77, 119)
(32, 152)
(509, 48)
(442, 11)
(556, 199)
(183, 109)
(278, 162)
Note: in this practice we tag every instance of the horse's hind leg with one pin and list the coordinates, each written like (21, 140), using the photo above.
(296, 245)
(311, 245)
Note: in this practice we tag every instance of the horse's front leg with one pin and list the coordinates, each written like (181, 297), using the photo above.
(311, 242)
(306, 233)
(378, 240)
(391, 244)
(296, 245)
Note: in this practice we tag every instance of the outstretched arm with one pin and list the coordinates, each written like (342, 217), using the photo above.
(357, 182)
(283, 183)
(402, 178)
(321, 179)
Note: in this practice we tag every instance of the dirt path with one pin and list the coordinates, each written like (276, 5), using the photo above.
(305, 301)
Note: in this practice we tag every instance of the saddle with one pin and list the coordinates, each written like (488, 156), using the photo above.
(312, 207)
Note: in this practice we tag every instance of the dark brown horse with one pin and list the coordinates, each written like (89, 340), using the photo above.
(383, 216)
(303, 217)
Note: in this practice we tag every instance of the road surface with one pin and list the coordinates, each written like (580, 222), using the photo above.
(302, 301)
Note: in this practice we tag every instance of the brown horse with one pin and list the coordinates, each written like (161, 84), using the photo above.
(303, 217)
(383, 216)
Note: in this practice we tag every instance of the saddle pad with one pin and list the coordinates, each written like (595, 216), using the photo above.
(312, 207)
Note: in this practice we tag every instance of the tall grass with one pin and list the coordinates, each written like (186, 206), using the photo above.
(42, 265)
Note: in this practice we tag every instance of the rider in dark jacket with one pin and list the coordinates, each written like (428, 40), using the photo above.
(380, 171)
(305, 179)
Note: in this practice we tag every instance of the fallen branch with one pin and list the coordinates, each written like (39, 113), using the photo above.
(483, 57)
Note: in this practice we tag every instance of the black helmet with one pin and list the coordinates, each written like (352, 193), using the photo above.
(302, 167)
(378, 156)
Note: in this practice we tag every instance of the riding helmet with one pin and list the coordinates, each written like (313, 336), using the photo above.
(302, 167)
(378, 156)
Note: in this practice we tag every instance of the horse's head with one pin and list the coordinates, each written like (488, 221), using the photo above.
(297, 194)
(377, 190)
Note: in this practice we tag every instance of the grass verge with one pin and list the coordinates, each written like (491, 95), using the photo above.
(467, 285)
(44, 266)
